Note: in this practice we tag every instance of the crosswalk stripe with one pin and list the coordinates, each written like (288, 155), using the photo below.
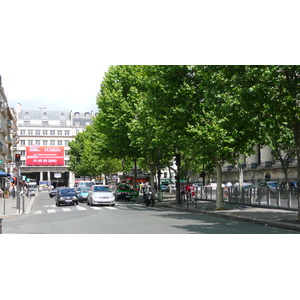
(76, 208)
(66, 209)
(80, 207)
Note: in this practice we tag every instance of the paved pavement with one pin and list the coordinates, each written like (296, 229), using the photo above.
(282, 218)
(8, 206)
(267, 216)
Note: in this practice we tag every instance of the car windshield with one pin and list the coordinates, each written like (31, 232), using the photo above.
(66, 191)
(101, 189)
(124, 187)
(84, 190)
(272, 184)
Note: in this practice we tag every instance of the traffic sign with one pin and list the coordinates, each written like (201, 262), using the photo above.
(1, 161)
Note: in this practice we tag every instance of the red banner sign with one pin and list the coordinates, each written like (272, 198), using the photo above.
(45, 156)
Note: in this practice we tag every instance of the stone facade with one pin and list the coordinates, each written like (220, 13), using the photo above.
(8, 137)
(43, 127)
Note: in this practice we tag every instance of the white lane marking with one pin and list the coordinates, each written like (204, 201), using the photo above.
(96, 207)
(66, 209)
(53, 205)
(37, 212)
(50, 211)
(80, 207)
(110, 207)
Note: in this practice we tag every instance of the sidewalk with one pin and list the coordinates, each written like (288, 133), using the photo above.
(266, 216)
(8, 206)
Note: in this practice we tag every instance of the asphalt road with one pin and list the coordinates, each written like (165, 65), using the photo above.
(129, 218)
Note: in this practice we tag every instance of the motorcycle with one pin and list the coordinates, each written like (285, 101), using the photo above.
(149, 199)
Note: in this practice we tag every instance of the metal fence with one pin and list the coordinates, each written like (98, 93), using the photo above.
(254, 196)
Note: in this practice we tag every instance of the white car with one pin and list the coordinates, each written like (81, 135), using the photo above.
(101, 195)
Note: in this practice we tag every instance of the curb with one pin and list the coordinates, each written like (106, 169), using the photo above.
(238, 218)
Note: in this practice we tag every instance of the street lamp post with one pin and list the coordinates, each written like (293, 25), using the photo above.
(18, 163)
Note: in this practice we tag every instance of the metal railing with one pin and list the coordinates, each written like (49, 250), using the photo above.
(254, 196)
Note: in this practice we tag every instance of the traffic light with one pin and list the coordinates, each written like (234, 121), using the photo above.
(18, 157)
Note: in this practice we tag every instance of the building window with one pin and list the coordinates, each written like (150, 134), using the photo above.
(22, 132)
(62, 115)
(52, 132)
(38, 142)
(22, 142)
(87, 123)
(59, 132)
(26, 123)
(37, 132)
(26, 115)
(45, 143)
(77, 123)
(76, 114)
(66, 162)
(23, 152)
(45, 132)
(63, 124)
(52, 143)
(66, 143)
(59, 143)
(30, 142)
(45, 115)
(45, 123)
(66, 152)
(30, 132)
(67, 132)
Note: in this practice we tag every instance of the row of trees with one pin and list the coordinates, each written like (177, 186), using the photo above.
(201, 115)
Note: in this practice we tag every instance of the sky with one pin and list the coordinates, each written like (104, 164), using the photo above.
(55, 54)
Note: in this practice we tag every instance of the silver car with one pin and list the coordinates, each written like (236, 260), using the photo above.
(101, 195)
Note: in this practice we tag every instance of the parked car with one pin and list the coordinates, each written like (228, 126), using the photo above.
(272, 185)
(125, 192)
(246, 185)
(31, 192)
(172, 187)
(292, 184)
(66, 196)
(101, 194)
(213, 185)
(163, 187)
(82, 193)
(52, 193)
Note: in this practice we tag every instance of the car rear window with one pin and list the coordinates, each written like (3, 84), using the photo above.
(101, 189)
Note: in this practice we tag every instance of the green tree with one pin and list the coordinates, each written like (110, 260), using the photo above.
(273, 93)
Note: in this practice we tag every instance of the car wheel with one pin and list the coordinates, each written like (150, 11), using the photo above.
(57, 204)
(112, 204)
(87, 202)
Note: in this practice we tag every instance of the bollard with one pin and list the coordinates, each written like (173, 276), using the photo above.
(0, 225)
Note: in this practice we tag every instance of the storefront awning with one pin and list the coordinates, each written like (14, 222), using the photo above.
(4, 174)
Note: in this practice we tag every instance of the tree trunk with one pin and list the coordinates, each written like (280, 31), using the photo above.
(219, 191)
(178, 160)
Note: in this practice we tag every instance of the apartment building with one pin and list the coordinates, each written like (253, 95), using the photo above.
(8, 139)
(44, 143)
